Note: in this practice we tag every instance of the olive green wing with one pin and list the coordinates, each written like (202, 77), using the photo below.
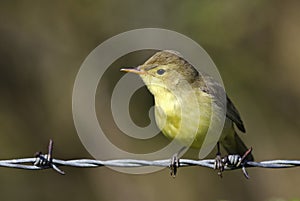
(210, 86)
(233, 114)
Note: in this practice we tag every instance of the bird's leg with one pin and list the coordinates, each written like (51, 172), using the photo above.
(174, 164)
(218, 161)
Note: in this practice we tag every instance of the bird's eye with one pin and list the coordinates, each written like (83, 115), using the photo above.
(160, 71)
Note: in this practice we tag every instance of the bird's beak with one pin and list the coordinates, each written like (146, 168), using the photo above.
(133, 70)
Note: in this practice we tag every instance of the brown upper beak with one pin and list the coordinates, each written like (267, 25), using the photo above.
(133, 70)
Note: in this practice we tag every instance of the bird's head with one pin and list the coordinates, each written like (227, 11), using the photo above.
(165, 70)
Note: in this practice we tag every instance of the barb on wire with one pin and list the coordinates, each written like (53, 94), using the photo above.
(45, 161)
(231, 162)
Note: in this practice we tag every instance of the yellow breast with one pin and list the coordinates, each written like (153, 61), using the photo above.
(185, 118)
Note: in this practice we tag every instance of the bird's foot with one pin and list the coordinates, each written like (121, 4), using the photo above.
(219, 164)
(174, 164)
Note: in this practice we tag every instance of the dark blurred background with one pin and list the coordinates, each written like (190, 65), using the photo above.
(255, 45)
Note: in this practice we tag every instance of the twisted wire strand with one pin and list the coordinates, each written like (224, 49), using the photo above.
(45, 161)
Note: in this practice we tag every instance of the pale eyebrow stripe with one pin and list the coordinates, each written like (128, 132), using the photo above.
(150, 67)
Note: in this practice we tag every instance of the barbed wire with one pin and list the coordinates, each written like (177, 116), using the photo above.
(230, 162)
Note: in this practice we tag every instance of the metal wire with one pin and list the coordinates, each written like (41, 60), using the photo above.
(45, 161)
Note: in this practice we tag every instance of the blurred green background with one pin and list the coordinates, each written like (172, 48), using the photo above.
(255, 45)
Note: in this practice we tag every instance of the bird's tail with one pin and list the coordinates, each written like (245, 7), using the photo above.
(233, 144)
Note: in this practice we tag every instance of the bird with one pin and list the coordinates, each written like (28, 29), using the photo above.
(173, 81)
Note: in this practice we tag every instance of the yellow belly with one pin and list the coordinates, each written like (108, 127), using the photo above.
(187, 124)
